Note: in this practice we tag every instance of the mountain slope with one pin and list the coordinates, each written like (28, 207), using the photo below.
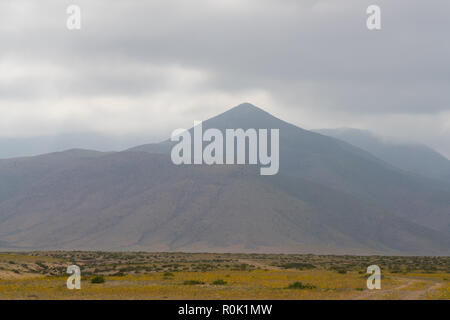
(138, 201)
(415, 158)
(17, 174)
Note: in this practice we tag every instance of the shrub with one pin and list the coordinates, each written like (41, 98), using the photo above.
(98, 279)
(192, 282)
(299, 285)
(298, 265)
(219, 282)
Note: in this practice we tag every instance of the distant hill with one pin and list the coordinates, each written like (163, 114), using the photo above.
(329, 197)
(17, 174)
(415, 158)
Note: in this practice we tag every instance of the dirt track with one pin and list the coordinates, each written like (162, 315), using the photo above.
(408, 289)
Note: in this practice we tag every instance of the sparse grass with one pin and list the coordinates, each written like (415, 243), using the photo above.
(139, 275)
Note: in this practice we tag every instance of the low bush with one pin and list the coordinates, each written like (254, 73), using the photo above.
(299, 285)
(98, 279)
(298, 265)
(192, 282)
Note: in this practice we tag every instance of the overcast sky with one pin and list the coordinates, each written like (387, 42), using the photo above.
(139, 69)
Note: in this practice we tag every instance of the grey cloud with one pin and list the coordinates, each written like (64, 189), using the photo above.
(311, 60)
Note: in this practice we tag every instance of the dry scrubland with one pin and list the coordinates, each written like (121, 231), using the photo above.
(138, 275)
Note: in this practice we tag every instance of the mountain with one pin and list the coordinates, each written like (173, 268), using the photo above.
(325, 199)
(415, 158)
(341, 166)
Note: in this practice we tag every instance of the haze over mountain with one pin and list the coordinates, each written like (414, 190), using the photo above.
(415, 158)
(329, 197)
(14, 147)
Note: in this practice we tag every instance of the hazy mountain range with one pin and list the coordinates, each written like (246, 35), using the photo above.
(415, 158)
(330, 197)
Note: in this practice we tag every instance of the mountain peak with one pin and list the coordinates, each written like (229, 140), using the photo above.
(246, 107)
(246, 110)
(244, 115)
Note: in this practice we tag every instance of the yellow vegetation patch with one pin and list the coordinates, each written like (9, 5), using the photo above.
(239, 285)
